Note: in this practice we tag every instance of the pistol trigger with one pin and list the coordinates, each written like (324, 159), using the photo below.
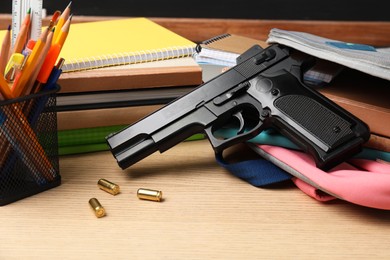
(240, 118)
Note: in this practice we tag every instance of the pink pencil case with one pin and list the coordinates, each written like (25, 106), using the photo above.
(360, 181)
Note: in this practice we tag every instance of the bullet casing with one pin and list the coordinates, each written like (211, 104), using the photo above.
(97, 208)
(147, 194)
(108, 186)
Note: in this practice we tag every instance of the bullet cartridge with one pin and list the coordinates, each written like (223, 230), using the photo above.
(97, 208)
(108, 186)
(147, 194)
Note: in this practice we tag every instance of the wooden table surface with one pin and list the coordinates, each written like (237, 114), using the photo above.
(207, 213)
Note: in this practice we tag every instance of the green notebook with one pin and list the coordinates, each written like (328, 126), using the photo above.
(93, 139)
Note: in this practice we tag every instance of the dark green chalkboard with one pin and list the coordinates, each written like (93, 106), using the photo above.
(357, 10)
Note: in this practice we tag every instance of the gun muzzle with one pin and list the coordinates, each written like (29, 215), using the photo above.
(127, 154)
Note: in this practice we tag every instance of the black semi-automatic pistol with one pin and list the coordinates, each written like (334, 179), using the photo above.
(264, 90)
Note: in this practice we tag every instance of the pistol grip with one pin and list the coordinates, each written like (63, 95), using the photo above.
(328, 128)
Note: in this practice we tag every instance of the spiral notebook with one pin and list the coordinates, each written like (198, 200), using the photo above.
(224, 49)
(121, 41)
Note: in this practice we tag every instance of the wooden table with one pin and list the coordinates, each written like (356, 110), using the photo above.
(207, 213)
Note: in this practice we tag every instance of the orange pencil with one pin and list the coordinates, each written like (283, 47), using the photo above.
(21, 38)
(20, 84)
(23, 139)
(32, 79)
(64, 17)
(53, 53)
(5, 51)
(5, 89)
(5, 94)
(25, 135)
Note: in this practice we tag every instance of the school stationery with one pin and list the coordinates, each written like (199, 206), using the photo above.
(121, 41)
(365, 58)
(224, 49)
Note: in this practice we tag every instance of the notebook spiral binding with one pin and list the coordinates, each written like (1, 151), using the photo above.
(126, 58)
(216, 38)
(198, 47)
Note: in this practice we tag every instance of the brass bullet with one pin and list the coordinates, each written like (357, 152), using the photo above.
(97, 208)
(108, 186)
(146, 194)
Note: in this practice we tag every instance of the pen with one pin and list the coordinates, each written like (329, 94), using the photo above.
(54, 19)
(17, 136)
(24, 135)
(24, 141)
(54, 75)
(14, 144)
(50, 85)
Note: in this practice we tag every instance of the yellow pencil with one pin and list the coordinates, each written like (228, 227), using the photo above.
(5, 51)
(20, 84)
(63, 18)
(63, 34)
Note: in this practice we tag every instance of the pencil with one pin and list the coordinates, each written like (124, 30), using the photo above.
(19, 85)
(53, 53)
(41, 59)
(5, 51)
(4, 146)
(32, 88)
(25, 135)
(33, 152)
(63, 18)
(22, 37)
(5, 90)
(23, 139)
(63, 34)
(14, 144)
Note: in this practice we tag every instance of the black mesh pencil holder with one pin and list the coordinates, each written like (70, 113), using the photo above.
(29, 161)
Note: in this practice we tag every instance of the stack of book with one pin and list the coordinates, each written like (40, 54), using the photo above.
(116, 72)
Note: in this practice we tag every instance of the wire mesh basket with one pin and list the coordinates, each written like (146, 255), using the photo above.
(29, 161)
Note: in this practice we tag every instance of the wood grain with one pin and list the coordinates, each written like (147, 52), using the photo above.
(206, 214)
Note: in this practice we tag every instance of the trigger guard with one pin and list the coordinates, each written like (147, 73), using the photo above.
(220, 145)
(214, 141)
